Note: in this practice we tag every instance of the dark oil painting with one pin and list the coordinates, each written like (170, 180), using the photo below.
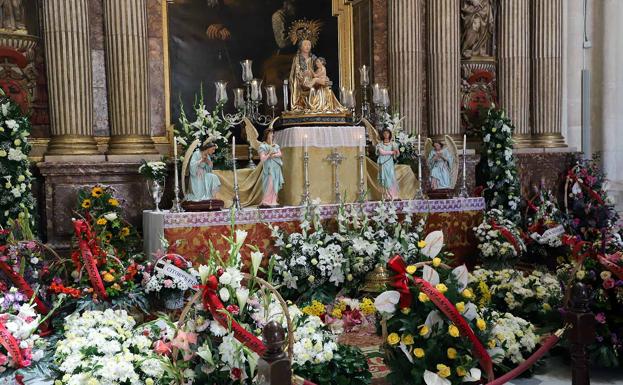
(209, 38)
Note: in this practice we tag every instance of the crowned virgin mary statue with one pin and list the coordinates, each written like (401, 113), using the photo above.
(310, 87)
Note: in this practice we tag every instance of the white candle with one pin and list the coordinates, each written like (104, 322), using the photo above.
(464, 152)
(175, 161)
(361, 143)
(419, 163)
(305, 142)
(233, 155)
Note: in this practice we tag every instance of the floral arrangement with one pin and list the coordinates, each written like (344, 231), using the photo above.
(345, 314)
(208, 126)
(27, 347)
(102, 347)
(500, 241)
(515, 338)
(170, 287)
(545, 221)
(155, 170)
(498, 168)
(592, 212)
(535, 296)
(103, 210)
(316, 263)
(407, 143)
(435, 331)
(15, 187)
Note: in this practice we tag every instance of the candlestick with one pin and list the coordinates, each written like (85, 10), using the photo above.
(176, 207)
(305, 199)
(362, 191)
(419, 193)
(236, 198)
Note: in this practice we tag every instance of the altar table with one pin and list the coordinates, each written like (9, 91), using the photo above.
(456, 217)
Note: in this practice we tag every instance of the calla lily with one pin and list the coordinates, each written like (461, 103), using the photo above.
(386, 302)
(434, 243)
(473, 375)
(256, 261)
(430, 275)
(405, 350)
(431, 378)
(471, 311)
(242, 295)
(433, 320)
(462, 276)
(576, 189)
(241, 235)
(204, 273)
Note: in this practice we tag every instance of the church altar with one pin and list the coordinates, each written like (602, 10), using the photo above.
(456, 217)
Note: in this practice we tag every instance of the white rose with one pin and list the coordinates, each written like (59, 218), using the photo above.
(224, 294)
(110, 216)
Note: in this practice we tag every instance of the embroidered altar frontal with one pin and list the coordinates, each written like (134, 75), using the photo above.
(195, 231)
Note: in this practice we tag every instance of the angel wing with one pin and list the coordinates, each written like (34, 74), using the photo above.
(428, 147)
(454, 171)
(189, 153)
(251, 134)
(373, 134)
(272, 122)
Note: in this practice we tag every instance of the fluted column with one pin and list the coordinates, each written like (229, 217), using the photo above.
(69, 74)
(405, 60)
(444, 64)
(514, 65)
(127, 74)
(547, 73)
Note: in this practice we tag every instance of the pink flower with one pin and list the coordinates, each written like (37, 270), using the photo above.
(608, 283)
(3, 359)
(162, 348)
(182, 341)
(601, 318)
(168, 283)
(31, 245)
(233, 309)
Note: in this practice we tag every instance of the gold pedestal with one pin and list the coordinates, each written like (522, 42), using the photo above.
(72, 145)
(548, 140)
(376, 281)
(131, 145)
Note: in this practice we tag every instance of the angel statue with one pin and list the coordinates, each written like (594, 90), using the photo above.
(204, 185)
(272, 173)
(387, 150)
(442, 163)
(309, 85)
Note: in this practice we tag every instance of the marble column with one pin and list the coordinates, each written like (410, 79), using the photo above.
(444, 66)
(405, 60)
(68, 64)
(547, 70)
(127, 74)
(514, 65)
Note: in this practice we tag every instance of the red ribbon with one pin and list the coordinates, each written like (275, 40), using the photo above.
(400, 281)
(11, 345)
(507, 235)
(447, 308)
(82, 231)
(23, 286)
(588, 189)
(212, 302)
(610, 265)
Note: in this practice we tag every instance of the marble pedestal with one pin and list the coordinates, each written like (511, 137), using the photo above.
(62, 182)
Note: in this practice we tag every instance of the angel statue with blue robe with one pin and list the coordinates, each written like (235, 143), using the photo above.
(440, 162)
(204, 184)
(387, 150)
(272, 173)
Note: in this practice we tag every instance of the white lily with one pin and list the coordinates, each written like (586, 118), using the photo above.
(242, 295)
(434, 243)
(241, 235)
(462, 276)
(430, 275)
(256, 261)
(386, 302)
(431, 378)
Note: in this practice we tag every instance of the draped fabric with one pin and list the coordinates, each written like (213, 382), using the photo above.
(324, 137)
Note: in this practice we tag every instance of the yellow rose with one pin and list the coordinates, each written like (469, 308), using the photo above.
(424, 330)
(460, 371)
(86, 203)
(422, 297)
(580, 274)
(491, 344)
(443, 371)
(418, 352)
(109, 277)
(2, 153)
(97, 192)
(405, 310)
(114, 202)
(481, 324)
(436, 261)
(411, 269)
(421, 244)
(149, 381)
(101, 221)
(407, 339)
(547, 306)
(453, 331)
(468, 293)
(441, 287)
(393, 339)
(460, 306)
(452, 353)
(124, 232)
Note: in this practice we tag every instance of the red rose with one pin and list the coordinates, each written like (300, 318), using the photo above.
(608, 283)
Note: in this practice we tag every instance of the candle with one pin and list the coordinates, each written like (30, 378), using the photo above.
(376, 93)
(233, 156)
(464, 158)
(247, 71)
(256, 93)
(361, 143)
(175, 161)
(286, 97)
(271, 96)
(419, 163)
(305, 142)
(365, 75)
(238, 98)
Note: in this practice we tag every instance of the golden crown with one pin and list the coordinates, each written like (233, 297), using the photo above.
(305, 30)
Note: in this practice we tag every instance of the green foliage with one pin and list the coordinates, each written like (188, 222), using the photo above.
(498, 167)
(348, 367)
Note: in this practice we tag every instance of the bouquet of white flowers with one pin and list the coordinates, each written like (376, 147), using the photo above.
(499, 239)
(156, 170)
(515, 338)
